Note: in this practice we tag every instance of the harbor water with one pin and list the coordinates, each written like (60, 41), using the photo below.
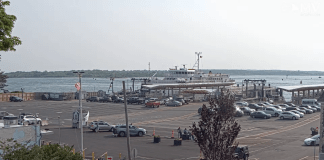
(95, 84)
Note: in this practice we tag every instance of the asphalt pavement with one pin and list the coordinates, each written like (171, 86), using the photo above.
(267, 138)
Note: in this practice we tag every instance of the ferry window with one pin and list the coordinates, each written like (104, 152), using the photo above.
(186, 72)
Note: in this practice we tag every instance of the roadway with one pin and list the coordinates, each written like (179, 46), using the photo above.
(267, 138)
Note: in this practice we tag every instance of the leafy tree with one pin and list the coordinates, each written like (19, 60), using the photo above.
(217, 129)
(7, 42)
(3, 80)
(13, 150)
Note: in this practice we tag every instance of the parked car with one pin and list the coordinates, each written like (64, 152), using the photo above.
(135, 100)
(133, 131)
(279, 107)
(15, 99)
(308, 111)
(291, 104)
(284, 105)
(105, 99)
(183, 101)
(312, 141)
(267, 103)
(173, 103)
(260, 114)
(295, 108)
(4, 113)
(238, 112)
(255, 106)
(247, 110)
(102, 126)
(272, 111)
(289, 115)
(29, 119)
(93, 99)
(317, 108)
(309, 107)
(118, 100)
(241, 152)
(301, 115)
(242, 104)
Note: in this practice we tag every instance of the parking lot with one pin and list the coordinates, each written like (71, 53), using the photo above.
(267, 138)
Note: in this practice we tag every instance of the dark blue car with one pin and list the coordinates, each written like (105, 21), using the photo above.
(260, 114)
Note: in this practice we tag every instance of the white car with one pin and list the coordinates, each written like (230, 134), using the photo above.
(31, 119)
(299, 113)
(312, 141)
(289, 115)
(273, 111)
(102, 126)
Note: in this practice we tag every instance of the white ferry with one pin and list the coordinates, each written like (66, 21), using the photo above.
(186, 75)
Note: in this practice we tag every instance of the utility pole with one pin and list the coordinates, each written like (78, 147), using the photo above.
(149, 66)
(80, 105)
(198, 54)
(22, 93)
(127, 127)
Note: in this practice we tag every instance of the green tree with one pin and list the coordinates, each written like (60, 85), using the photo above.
(7, 42)
(13, 150)
(217, 129)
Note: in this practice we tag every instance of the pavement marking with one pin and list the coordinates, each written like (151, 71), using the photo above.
(284, 129)
(268, 147)
(164, 120)
(303, 158)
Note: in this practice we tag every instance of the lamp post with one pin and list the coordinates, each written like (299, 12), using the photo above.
(80, 105)
(22, 93)
(59, 126)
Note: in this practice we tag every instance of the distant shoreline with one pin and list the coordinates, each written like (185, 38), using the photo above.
(146, 73)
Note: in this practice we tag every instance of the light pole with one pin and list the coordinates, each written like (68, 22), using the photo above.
(22, 93)
(59, 126)
(80, 105)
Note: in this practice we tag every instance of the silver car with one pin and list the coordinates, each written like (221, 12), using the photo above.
(101, 125)
(133, 131)
(299, 113)
(173, 103)
(289, 115)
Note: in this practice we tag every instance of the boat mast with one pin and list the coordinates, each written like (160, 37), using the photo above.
(198, 54)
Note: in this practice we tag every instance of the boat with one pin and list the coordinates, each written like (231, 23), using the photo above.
(189, 75)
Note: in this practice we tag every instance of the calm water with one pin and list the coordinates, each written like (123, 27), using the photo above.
(95, 84)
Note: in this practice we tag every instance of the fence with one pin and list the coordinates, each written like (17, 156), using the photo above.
(4, 97)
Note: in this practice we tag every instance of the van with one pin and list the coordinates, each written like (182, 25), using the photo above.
(311, 102)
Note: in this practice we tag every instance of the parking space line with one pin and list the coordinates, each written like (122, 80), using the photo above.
(303, 158)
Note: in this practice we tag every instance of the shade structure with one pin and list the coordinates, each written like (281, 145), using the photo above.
(301, 87)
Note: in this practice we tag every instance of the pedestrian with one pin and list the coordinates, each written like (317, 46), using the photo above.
(185, 131)
(97, 129)
(179, 133)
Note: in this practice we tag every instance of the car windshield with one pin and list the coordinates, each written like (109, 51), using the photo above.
(316, 103)
(315, 137)
(29, 116)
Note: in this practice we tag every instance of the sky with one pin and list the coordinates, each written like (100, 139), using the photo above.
(68, 35)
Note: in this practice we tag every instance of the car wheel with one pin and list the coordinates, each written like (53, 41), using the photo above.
(281, 117)
(253, 117)
(122, 134)
(277, 115)
(140, 134)
(249, 113)
(265, 117)
(93, 130)
(294, 118)
(312, 144)
(111, 129)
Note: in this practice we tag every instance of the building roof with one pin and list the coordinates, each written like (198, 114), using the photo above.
(187, 85)
(301, 87)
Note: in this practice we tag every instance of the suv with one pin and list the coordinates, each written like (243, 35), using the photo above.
(273, 111)
(247, 110)
(241, 152)
(136, 100)
(29, 119)
(295, 108)
(255, 106)
(105, 99)
(133, 131)
(102, 126)
(92, 99)
(15, 99)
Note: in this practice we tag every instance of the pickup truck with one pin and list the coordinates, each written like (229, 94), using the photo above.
(273, 111)
(135, 100)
